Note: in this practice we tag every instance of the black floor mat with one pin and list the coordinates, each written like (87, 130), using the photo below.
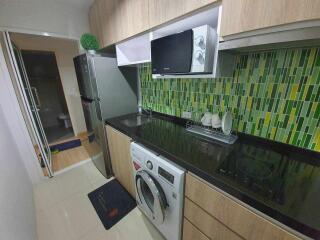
(111, 202)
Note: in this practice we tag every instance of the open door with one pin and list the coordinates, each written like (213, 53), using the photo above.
(31, 102)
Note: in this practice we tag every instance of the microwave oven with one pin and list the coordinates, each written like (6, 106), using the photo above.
(188, 52)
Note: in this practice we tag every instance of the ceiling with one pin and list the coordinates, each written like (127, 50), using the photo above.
(79, 3)
(84, 4)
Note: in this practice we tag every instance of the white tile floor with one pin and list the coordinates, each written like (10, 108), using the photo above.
(64, 212)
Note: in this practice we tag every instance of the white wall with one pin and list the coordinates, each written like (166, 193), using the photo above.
(65, 18)
(64, 50)
(17, 210)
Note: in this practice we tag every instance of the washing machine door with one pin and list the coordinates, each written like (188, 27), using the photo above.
(151, 196)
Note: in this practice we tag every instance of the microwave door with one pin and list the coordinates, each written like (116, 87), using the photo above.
(172, 54)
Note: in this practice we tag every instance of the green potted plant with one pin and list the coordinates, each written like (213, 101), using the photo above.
(89, 42)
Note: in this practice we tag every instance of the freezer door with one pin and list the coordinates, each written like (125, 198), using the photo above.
(82, 66)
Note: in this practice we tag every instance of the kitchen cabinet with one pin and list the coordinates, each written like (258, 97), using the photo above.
(161, 11)
(103, 16)
(220, 217)
(247, 15)
(94, 21)
(134, 17)
(206, 223)
(190, 232)
(108, 15)
(119, 148)
(115, 20)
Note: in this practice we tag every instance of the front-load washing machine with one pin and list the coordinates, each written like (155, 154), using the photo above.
(159, 186)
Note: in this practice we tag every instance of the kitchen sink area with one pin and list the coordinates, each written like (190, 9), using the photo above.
(136, 121)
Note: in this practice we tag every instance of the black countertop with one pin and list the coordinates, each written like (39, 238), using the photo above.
(279, 180)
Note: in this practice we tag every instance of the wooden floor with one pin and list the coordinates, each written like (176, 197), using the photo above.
(81, 136)
(67, 158)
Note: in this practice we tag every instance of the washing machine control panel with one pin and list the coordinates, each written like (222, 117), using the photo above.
(165, 174)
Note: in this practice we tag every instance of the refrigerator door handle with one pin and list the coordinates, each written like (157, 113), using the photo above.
(98, 109)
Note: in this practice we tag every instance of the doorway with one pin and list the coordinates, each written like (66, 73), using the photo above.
(43, 74)
(45, 83)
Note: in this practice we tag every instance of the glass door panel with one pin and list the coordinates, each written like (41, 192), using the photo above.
(32, 108)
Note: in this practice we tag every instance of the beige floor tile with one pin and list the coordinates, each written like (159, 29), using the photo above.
(52, 225)
(80, 215)
(72, 182)
(46, 194)
(92, 173)
(64, 211)
(99, 233)
(136, 226)
(100, 182)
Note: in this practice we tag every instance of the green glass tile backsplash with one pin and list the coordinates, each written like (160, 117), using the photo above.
(273, 94)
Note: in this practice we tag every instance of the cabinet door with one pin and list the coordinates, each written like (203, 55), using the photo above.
(115, 20)
(236, 217)
(247, 15)
(119, 148)
(161, 11)
(106, 12)
(95, 21)
(190, 232)
(134, 17)
(206, 223)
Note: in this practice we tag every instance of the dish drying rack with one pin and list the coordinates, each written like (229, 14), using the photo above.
(212, 133)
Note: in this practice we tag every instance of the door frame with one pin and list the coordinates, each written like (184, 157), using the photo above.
(26, 105)
(17, 125)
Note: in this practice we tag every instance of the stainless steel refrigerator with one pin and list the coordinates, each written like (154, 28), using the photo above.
(106, 92)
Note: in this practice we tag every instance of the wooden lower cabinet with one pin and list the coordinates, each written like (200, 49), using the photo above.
(206, 223)
(190, 232)
(220, 217)
(119, 148)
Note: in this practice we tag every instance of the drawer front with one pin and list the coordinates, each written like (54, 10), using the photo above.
(239, 219)
(206, 223)
(190, 232)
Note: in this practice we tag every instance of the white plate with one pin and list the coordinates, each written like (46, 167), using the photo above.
(226, 123)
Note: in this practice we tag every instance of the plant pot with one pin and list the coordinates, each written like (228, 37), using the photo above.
(91, 51)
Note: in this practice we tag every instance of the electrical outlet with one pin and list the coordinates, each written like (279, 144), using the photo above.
(186, 115)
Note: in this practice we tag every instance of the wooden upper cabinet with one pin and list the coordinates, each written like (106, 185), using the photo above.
(94, 22)
(134, 17)
(108, 18)
(161, 11)
(115, 20)
(247, 15)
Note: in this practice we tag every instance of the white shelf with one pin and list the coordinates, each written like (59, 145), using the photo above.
(138, 50)
(157, 76)
(207, 17)
(134, 51)
(134, 63)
